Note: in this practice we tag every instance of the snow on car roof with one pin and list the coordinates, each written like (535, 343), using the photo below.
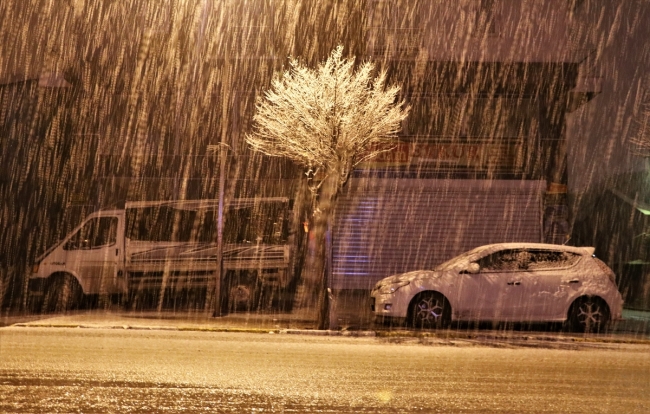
(543, 246)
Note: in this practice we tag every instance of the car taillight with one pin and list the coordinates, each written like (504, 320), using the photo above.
(610, 274)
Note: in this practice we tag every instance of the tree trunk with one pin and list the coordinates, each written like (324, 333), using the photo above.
(315, 277)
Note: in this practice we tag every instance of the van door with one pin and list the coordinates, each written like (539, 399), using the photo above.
(95, 253)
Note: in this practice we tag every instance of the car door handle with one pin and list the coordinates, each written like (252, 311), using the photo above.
(574, 281)
(514, 282)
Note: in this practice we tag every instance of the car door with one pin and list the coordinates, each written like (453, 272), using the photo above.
(95, 252)
(550, 277)
(494, 293)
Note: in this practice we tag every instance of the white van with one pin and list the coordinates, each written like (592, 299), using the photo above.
(166, 245)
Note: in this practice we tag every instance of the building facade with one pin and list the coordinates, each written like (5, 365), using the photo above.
(482, 157)
(160, 111)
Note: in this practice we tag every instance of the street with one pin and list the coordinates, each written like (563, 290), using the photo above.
(119, 370)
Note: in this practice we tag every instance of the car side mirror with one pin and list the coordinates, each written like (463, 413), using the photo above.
(473, 268)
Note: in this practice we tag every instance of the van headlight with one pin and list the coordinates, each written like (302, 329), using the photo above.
(393, 287)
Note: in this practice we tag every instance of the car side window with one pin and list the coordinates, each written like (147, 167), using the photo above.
(505, 261)
(548, 259)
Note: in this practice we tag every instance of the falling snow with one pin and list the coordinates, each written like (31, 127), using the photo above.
(528, 123)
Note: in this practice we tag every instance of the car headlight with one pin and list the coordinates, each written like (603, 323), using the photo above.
(393, 287)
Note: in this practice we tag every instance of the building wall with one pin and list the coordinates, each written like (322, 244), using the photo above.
(600, 131)
(473, 30)
(490, 83)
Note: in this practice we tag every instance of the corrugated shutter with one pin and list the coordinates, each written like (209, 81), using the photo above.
(387, 226)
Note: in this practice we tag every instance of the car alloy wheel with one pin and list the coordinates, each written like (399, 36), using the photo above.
(589, 315)
(430, 310)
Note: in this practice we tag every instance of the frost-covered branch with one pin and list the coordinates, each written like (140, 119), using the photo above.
(331, 117)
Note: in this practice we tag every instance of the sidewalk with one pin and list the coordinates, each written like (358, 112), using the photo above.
(634, 328)
(166, 320)
(634, 322)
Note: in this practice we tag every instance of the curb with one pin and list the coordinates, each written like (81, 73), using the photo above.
(146, 328)
(520, 338)
(316, 332)
(313, 332)
(395, 335)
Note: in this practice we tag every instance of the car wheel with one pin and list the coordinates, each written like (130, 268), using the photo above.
(589, 315)
(430, 311)
(63, 293)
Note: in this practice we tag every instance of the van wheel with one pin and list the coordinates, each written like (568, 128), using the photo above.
(63, 293)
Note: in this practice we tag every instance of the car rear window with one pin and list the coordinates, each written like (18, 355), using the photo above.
(548, 259)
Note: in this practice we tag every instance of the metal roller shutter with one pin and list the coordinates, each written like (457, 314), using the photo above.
(387, 226)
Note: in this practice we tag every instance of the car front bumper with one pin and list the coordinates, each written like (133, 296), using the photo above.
(393, 305)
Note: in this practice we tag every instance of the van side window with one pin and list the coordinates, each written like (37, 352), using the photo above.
(97, 232)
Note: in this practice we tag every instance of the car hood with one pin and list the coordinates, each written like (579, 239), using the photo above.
(411, 276)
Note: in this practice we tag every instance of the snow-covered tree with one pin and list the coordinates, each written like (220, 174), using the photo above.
(329, 120)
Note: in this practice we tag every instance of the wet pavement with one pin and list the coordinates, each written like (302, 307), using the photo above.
(114, 370)
(118, 361)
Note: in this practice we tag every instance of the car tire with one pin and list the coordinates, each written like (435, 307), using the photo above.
(589, 314)
(430, 310)
(63, 293)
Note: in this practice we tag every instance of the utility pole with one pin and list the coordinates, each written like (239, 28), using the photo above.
(223, 146)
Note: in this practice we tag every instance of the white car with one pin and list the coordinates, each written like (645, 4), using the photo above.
(510, 282)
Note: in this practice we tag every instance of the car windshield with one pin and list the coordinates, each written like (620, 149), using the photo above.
(461, 258)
